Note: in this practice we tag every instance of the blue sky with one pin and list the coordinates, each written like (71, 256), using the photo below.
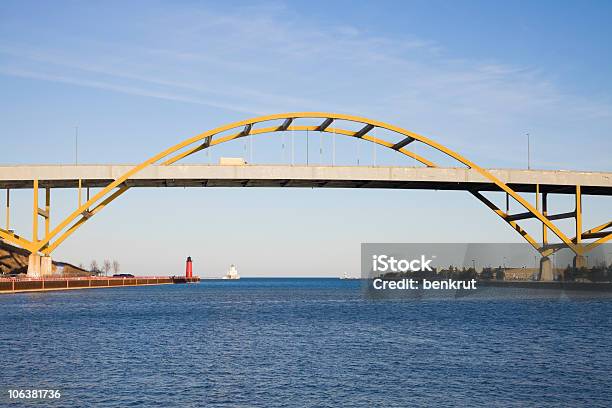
(137, 77)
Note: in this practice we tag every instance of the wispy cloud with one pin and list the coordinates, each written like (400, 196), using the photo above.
(131, 90)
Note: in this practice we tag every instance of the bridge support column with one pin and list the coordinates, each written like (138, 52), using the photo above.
(46, 266)
(546, 269)
(580, 262)
(39, 266)
(34, 266)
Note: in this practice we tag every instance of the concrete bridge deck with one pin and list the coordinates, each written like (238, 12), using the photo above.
(198, 175)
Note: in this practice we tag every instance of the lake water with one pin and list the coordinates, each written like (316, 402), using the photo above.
(304, 342)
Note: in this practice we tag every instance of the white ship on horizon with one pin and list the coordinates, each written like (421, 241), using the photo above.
(232, 273)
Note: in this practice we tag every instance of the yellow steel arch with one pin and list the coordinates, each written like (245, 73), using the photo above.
(246, 128)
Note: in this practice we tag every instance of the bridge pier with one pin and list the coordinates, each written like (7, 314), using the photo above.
(580, 262)
(39, 266)
(546, 269)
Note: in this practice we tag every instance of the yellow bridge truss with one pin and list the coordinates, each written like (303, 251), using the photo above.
(289, 122)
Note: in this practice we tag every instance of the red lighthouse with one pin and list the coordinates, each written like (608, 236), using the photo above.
(189, 268)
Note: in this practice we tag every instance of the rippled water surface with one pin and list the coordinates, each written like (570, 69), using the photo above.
(304, 342)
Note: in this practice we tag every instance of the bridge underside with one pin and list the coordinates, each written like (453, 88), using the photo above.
(556, 182)
(317, 183)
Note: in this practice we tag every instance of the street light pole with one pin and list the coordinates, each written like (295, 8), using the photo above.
(76, 145)
(528, 153)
